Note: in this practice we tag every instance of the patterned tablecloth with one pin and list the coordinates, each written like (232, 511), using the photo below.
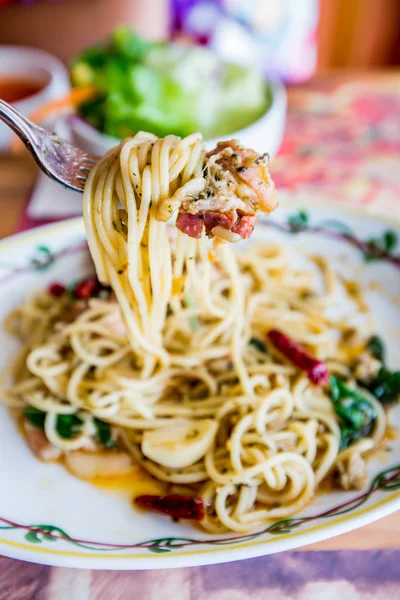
(342, 143)
(361, 575)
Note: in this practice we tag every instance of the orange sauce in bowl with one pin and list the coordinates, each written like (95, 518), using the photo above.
(14, 89)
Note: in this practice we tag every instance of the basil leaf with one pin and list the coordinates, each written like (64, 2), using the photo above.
(259, 344)
(386, 386)
(34, 416)
(103, 433)
(377, 348)
(68, 426)
(356, 413)
(349, 436)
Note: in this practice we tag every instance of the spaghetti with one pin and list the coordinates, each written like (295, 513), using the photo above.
(169, 363)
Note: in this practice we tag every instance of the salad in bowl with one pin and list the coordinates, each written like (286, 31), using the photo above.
(129, 84)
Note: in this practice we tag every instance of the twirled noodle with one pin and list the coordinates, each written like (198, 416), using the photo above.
(174, 351)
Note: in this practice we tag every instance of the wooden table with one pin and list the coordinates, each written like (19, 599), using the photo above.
(17, 177)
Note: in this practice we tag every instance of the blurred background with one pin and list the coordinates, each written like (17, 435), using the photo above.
(355, 33)
(311, 82)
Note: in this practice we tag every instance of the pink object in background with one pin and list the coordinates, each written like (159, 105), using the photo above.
(278, 36)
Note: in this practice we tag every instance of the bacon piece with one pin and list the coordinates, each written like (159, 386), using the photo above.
(213, 219)
(192, 225)
(244, 227)
(39, 444)
(176, 506)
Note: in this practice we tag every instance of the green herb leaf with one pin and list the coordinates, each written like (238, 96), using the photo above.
(259, 344)
(68, 425)
(349, 435)
(377, 348)
(194, 320)
(386, 386)
(103, 433)
(34, 416)
(357, 414)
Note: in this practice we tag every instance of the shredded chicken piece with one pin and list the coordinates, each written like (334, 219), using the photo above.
(237, 186)
(351, 471)
(247, 170)
(114, 322)
(39, 443)
(367, 367)
(220, 365)
(89, 465)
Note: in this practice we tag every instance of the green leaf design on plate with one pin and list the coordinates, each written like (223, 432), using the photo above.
(386, 243)
(337, 226)
(299, 221)
(378, 248)
(32, 537)
(386, 481)
(42, 259)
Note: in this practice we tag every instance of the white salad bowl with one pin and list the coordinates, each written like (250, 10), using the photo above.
(263, 135)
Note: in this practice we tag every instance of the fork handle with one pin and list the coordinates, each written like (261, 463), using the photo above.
(23, 127)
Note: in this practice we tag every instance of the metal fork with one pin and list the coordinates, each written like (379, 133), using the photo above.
(60, 160)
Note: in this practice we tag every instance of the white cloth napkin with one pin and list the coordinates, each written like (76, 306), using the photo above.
(50, 200)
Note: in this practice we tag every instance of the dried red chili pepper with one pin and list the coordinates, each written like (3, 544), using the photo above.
(316, 370)
(56, 289)
(177, 507)
(86, 288)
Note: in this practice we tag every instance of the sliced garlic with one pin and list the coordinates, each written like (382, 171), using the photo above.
(225, 234)
(89, 465)
(179, 446)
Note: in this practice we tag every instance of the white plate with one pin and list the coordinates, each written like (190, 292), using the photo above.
(48, 516)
